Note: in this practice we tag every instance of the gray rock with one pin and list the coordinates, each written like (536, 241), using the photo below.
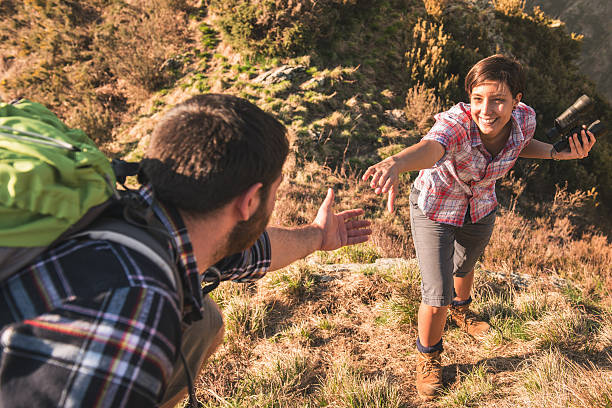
(279, 74)
(396, 118)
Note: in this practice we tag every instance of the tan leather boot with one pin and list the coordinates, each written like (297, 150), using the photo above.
(468, 321)
(428, 374)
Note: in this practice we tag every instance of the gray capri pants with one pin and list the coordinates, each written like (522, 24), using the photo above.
(445, 251)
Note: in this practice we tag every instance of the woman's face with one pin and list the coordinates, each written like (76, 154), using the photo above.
(492, 103)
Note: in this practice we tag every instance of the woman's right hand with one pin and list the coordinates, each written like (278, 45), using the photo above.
(385, 176)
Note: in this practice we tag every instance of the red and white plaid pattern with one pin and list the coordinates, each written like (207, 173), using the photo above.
(466, 174)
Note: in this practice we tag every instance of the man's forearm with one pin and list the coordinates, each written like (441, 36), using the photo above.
(290, 244)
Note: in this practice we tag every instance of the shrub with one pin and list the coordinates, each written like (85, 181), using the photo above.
(510, 7)
(281, 27)
(71, 55)
(139, 44)
(427, 59)
(421, 106)
(435, 7)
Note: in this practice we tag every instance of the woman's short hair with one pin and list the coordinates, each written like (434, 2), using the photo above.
(210, 149)
(499, 68)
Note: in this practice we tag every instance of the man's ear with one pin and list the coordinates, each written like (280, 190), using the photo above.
(247, 203)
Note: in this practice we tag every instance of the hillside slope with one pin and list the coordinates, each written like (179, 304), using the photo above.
(590, 18)
(354, 81)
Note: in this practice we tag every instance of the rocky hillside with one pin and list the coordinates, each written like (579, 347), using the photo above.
(592, 19)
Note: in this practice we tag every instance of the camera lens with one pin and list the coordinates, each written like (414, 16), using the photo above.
(567, 118)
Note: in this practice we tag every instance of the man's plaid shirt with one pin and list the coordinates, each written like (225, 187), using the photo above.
(92, 323)
(467, 172)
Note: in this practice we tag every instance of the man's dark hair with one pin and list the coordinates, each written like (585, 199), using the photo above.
(210, 149)
(497, 67)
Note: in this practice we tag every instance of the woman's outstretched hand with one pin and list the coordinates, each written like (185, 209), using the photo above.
(385, 176)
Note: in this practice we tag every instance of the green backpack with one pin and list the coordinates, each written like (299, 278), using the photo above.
(56, 184)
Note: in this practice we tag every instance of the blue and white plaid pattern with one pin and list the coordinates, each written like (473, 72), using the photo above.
(94, 324)
(467, 172)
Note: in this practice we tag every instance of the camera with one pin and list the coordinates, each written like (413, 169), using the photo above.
(567, 123)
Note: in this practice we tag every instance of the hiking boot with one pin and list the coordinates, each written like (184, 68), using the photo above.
(428, 374)
(468, 321)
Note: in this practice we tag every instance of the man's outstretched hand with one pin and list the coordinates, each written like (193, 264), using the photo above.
(342, 228)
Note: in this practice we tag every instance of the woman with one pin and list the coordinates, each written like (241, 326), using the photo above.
(452, 201)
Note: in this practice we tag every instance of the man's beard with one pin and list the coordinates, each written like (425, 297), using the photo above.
(245, 233)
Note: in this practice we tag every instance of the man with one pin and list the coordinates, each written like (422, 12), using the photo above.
(95, 323)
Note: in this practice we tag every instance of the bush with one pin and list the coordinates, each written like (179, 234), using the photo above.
(139, 44)
(428, 59)
(510, 7)
(554, 81)
(421, 106)
(435, 8)
(281, 28)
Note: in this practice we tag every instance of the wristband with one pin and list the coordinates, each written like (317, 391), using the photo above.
(552, 154)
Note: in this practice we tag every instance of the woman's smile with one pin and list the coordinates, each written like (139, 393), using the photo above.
(492, 103)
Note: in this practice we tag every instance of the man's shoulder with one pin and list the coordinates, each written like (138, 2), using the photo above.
(95, 265)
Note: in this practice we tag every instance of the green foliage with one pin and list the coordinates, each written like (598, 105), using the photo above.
(269, 27)
(209, 36)
(427, 59)
(554, 81)
(445, 45)
(283, 28)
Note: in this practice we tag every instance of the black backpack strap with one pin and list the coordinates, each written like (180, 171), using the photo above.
(157, 251)
(132, 223)
(13, 259)
(139, 240)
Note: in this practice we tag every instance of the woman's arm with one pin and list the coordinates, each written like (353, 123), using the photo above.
(385, 174)
(540, 150)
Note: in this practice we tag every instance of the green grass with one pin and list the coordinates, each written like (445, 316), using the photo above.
(360, 253)
(470, 390)
(294, 281)
(346, 386)
(244, 317)
(399, 310)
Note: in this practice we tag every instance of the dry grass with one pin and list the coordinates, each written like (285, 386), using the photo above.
(510, 7)
(93, 63)
(356, 323)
